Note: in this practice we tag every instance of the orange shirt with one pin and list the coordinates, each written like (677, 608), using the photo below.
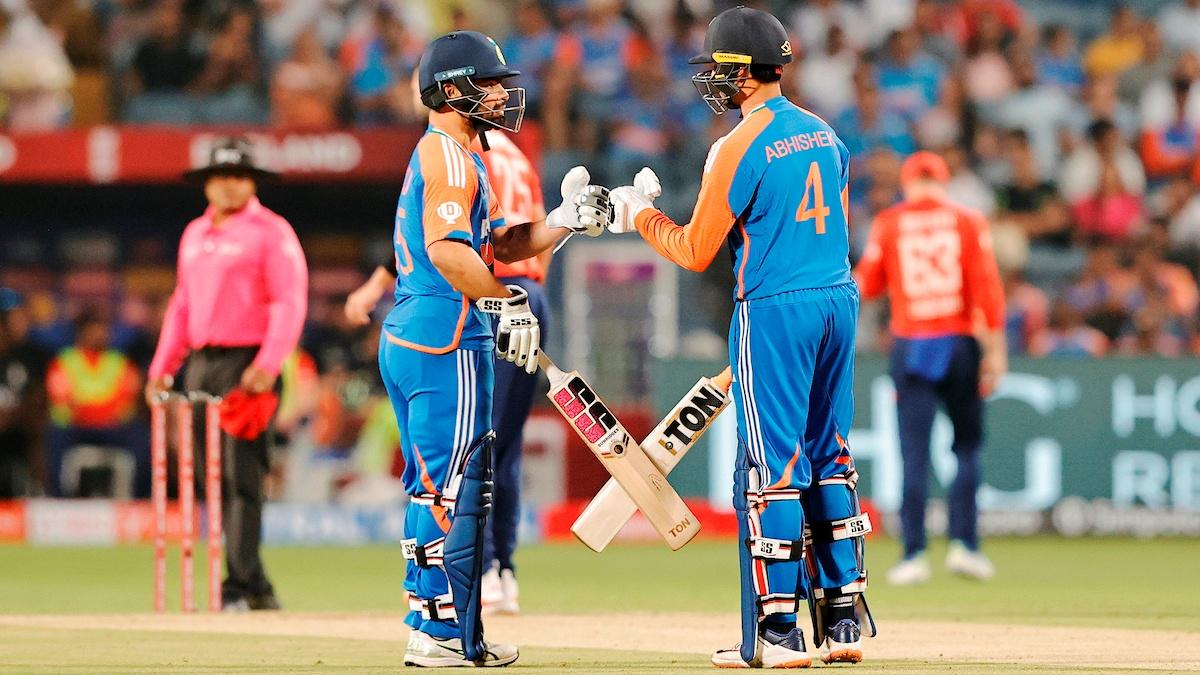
(935, 261)
(516, 185)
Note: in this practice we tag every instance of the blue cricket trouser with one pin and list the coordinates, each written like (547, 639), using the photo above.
(443, 403)
(793, 361)
(513, 398)
(926, 372)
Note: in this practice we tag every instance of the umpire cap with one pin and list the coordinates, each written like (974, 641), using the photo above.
(745, 36)
(463, 53)
(231, 155)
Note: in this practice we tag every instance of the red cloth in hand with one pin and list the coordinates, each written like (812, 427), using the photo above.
(245, 415)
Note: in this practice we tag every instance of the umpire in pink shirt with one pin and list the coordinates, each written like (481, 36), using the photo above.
(238, 308)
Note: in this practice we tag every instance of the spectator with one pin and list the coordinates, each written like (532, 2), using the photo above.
(35, 75)
(230, 76)
(1152, 330)
(825, 78)
(1157, 62)
(22, 402)
(600, 54)
(986, 73)
(1159, 102)
(908, 78)
(1067, 336)
(285, 20)
(1103, 291)
(870, 125)
(1160, 277)
(949, 122)
(93, 394)
(307, 86)
(1084, 171)
(164, 66)
(930, 23)
(1026, 313)
(1059, 64)
(381, 66)
(1184, 223)
(813, 19)
(964, 17)
(1100, 101)
(1026, 192)
(965, 186)
(641, 121)
(1041, 110)
(1180, 24)
(531, 49)
(1119, 49)
(1169, 151)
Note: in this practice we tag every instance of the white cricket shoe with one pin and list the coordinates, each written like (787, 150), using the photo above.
(775, 650)
(967, 563)
(843, 643)
(491, 592)
(430, 652)
(910, 571)
(510, 592)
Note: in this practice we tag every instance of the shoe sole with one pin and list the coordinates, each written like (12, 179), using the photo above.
(449, 662)
(791, 663)
(843, 656)
(963, 574)
(795, 663)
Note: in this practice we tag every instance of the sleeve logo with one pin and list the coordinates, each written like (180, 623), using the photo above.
(450, 212)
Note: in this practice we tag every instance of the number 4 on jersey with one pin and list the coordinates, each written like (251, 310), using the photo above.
(819, 212)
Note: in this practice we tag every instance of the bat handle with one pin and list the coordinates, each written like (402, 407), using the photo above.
(547, 364)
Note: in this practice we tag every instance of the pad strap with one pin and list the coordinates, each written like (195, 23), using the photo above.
(849, 479)
(857, 586)
(440, 608)
(767, 548)
(430, 499)
(836, 530)
(756, 497)
(426, 555)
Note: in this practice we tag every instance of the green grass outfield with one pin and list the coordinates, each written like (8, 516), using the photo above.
(1115, 583)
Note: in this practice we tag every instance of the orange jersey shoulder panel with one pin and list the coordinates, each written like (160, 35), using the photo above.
(694, 245)
(451, 183)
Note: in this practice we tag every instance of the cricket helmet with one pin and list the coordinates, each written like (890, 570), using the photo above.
(737, 39)
(462, 58)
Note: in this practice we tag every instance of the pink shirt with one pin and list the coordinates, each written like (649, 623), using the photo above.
(241, 284)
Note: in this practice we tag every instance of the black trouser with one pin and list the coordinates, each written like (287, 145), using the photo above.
(217, 370)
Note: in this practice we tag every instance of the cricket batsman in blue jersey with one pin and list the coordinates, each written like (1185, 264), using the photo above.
(774, 191)
(435, 351)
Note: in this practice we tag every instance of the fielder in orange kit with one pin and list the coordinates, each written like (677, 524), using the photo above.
(934, 259)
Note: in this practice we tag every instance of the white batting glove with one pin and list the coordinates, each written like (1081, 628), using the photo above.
(518, 337)
(585, 209)
(628, 201)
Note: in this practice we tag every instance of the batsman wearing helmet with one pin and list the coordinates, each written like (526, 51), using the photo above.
(774, 191)
(434, 356)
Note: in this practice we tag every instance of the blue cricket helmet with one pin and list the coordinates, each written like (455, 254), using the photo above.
(461, 58)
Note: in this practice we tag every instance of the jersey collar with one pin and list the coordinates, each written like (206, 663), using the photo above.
(439, 132)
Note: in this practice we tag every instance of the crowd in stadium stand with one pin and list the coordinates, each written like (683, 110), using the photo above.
(1077, 138)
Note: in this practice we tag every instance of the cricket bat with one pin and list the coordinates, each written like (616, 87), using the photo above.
(630, 467)
(666, 445)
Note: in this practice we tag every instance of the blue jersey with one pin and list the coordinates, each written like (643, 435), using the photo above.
(774, 190)
(446, 195)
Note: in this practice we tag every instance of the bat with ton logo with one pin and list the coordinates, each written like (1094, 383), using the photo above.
(639, 479)
(665, 446)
